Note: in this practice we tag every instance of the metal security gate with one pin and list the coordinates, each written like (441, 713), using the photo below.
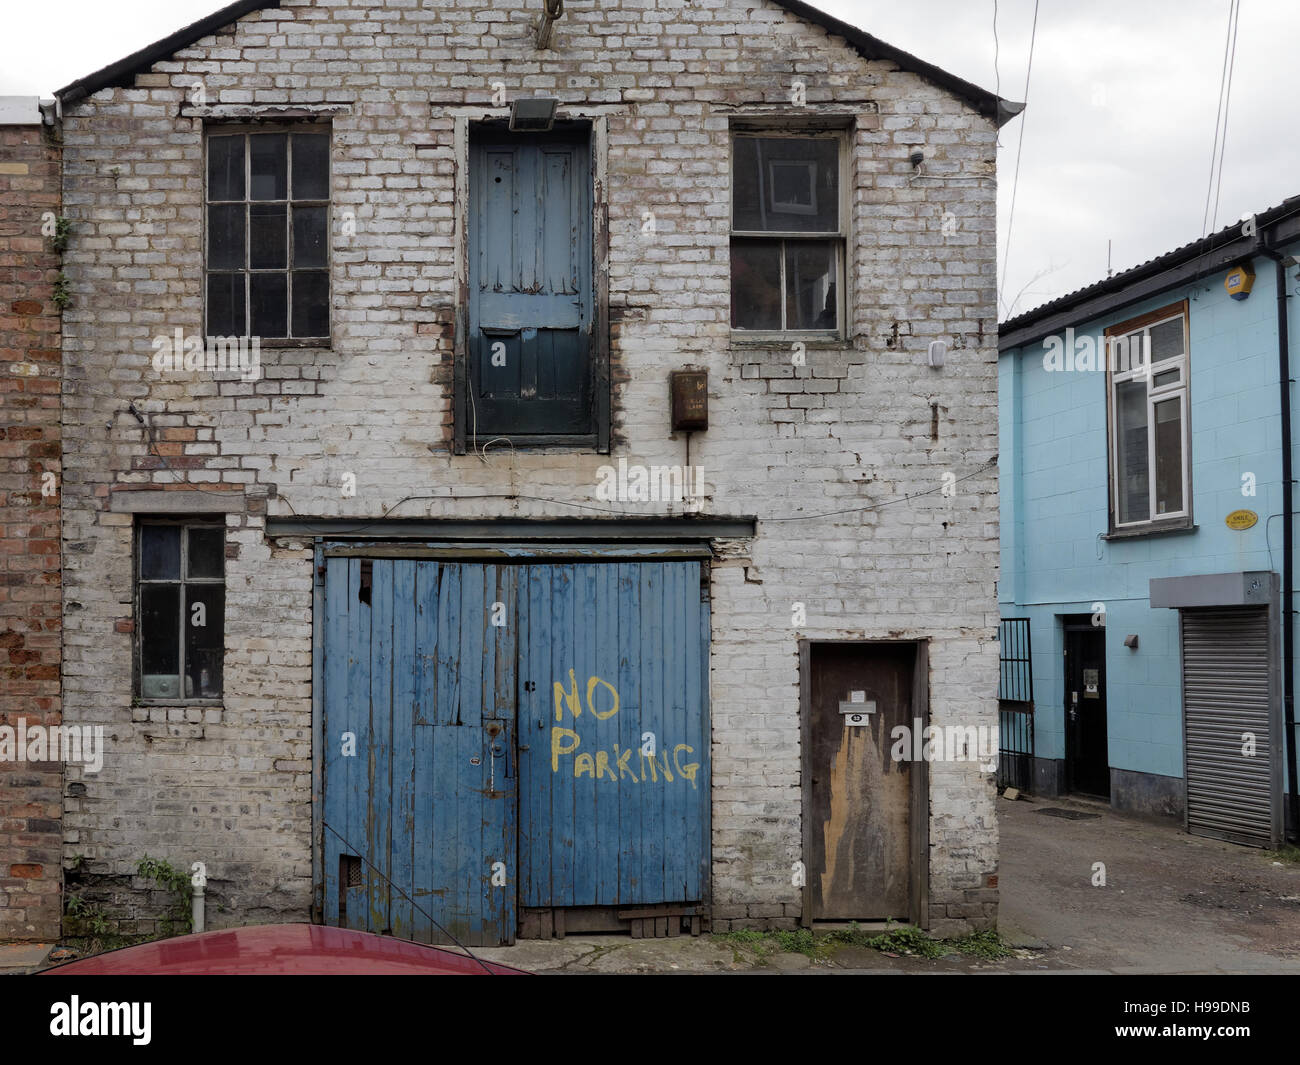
(1228, 736)
(1015, 705)
(507, 735)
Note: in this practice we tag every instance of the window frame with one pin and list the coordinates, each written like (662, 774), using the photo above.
(1180, 390)
(246, 130)
(139, 582)
(840, 130)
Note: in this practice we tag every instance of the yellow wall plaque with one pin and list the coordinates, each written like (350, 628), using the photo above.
(1241, 519)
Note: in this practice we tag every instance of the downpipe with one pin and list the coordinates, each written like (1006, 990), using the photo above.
(1288, 541)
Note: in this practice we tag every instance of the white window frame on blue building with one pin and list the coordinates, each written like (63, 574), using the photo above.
(1127, 363)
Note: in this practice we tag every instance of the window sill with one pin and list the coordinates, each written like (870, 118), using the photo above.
(785, 340)
(578, 444)
(324, 343)
(1155, 528)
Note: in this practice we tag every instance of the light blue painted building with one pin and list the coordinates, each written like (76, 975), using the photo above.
(1139, 417)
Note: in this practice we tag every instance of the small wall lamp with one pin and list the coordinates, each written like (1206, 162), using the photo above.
(1131, 641)
(533, 114)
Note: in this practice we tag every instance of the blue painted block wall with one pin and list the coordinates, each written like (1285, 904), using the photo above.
(1053, 465)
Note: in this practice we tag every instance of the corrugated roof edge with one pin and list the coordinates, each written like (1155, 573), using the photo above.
(1217, 248)
(123, 72)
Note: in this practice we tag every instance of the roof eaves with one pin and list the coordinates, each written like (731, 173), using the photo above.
(1205, 255)
(988, 104)
(123, 72)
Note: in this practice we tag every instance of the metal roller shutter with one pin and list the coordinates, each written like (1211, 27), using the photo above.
(1226, 694)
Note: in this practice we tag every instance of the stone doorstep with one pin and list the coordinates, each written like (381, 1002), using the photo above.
(19, 958)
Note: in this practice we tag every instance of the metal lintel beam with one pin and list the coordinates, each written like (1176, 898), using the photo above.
(598, 531)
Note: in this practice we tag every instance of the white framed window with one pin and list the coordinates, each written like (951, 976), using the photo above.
(789, 232)
(1149, 437)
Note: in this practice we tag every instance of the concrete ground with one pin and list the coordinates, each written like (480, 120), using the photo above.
(1170, 903)
(17, 958)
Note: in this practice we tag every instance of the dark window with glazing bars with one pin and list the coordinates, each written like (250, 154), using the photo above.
(787, 233)
(268, 235)
(181, 608)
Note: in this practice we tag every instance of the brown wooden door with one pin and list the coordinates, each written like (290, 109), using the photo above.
(860, 798)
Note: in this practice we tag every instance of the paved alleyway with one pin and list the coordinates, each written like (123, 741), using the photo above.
(1171, 903)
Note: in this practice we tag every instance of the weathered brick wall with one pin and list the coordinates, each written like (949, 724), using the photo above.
(30, 594)
(854, 427)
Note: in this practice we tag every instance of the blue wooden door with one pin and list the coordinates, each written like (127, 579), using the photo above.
(614, 734)
(419, 759)
(530, 292)
(511, 735)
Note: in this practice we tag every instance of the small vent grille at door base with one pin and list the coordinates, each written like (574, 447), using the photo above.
(350, 871)
(1069, 815)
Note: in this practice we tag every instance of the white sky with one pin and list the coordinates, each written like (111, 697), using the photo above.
(1119, 129)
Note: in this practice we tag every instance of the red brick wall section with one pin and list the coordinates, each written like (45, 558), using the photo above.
(31, 805)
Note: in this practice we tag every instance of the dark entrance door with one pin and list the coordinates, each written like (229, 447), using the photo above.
(859, 803)
(1087, 761)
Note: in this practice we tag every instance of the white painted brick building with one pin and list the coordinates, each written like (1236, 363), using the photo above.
(814, 438)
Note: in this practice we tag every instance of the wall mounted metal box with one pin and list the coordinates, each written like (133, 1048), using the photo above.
(690, 393)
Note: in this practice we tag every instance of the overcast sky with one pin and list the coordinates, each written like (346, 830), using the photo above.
(1117, 137)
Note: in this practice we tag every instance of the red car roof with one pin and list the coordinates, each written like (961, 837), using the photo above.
(283, 949)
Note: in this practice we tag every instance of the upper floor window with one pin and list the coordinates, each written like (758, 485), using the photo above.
(180, 609)
(1150, 445)
(788, 233)
(268, 234)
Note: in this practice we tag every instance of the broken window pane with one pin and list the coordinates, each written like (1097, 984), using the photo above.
(756, 284)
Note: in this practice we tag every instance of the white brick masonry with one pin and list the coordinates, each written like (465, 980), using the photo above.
(856, 426)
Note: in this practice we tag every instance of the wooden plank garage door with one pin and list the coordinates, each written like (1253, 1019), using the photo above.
(498, 735)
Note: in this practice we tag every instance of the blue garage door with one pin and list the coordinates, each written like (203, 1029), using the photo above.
(511, 735)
